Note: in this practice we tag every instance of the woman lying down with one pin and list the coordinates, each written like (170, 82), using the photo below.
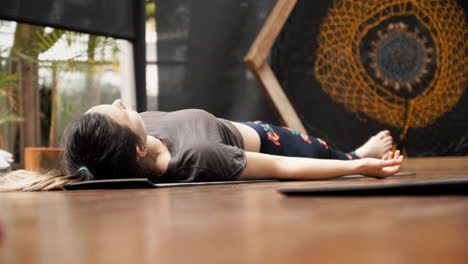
(112, 142)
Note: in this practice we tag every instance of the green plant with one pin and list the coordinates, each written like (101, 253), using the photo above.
(8, 94)
(82, 51)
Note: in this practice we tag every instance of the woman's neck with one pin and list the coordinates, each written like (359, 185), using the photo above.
(158, 156)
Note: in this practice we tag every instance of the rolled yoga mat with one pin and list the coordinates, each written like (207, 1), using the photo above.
(454, 186)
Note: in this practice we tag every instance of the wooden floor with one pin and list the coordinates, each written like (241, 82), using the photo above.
(248, 223)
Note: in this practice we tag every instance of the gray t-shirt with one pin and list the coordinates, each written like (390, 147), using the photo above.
(202, 147)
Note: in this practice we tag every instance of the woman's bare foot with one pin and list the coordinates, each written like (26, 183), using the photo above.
(377, 146)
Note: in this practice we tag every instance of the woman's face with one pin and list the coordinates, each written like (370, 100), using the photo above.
(123, 116)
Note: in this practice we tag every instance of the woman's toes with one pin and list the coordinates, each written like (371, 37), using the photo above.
(388, 147)
(386, 133)
(382, 135)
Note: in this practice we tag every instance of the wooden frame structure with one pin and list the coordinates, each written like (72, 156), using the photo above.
(256, 62)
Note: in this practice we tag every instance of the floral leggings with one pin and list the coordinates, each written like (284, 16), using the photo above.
(285, 141)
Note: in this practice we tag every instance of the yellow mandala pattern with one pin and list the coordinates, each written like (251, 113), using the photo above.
(343, 76)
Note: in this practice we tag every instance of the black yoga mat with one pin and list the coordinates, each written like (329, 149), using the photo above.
(455, 186)
(141, 183)
(353, 176)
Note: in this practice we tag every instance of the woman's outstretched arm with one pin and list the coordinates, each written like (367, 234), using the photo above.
(262, 166)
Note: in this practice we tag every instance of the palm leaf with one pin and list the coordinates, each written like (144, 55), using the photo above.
(7, 81)
(5, 118)
(47, 41)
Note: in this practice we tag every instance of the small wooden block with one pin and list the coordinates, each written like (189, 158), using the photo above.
(42, 159)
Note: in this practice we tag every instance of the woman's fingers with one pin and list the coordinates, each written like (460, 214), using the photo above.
(385, 156)
(392, 162)
(393, 156)
(387, 166)
(388, 163)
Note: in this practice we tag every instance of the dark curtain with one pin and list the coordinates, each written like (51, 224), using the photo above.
(105, 17)
(201, 46)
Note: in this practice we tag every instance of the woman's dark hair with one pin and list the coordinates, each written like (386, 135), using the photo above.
(106, 149)
(94, 148)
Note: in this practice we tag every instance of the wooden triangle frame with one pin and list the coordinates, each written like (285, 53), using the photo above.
(256, 62)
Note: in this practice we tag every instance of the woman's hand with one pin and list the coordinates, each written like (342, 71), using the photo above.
(387, 166)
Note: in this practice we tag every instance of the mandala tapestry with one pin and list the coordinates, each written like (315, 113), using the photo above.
(401, 62)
